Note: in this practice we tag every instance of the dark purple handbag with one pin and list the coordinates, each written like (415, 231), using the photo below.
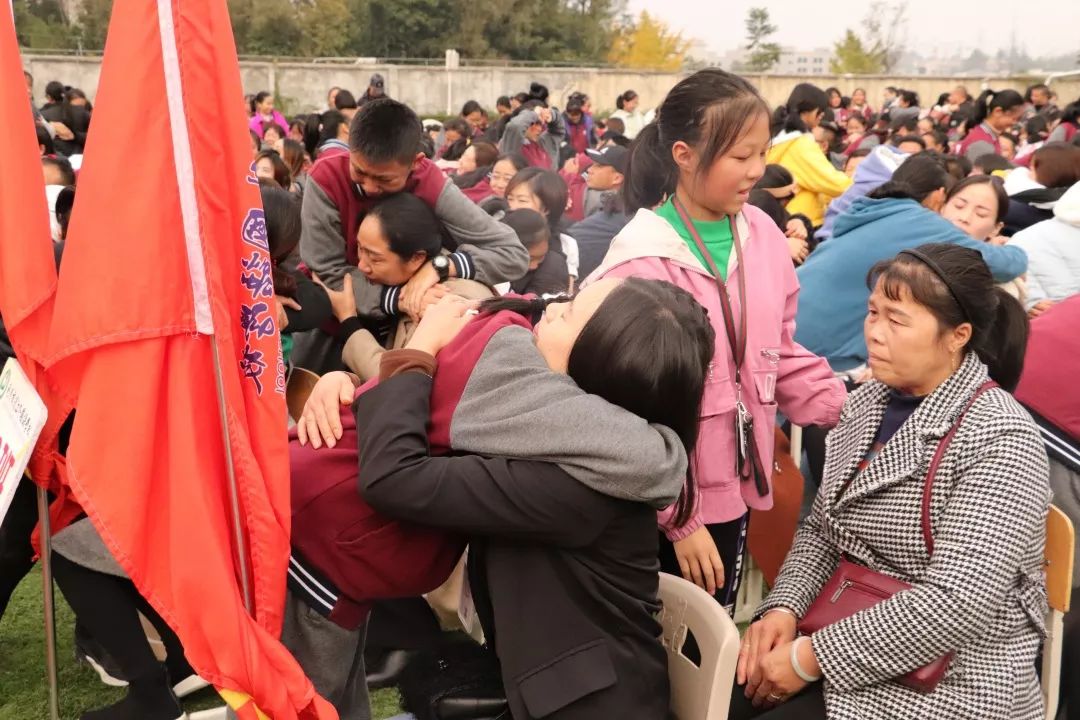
(853, 587)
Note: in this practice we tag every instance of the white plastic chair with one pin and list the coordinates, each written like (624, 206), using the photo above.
(698, 692)
(1060, 539)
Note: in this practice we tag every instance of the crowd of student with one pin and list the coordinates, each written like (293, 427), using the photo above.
(579, 322)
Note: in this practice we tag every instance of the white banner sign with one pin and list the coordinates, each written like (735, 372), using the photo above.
(22, 416)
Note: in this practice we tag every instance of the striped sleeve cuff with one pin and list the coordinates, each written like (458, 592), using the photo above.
(390, 296)
(463, 264)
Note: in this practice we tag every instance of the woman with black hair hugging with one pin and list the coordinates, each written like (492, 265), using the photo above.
(398, 237)
(915, 588)
(598, 406)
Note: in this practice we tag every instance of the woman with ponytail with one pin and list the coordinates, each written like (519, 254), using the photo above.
(688, 178)
(946, 350)
(900, 214)
(793, 146)
(627, 111)
(996, 112)
(569, 425)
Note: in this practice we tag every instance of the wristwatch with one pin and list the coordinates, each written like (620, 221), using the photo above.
(441, 263)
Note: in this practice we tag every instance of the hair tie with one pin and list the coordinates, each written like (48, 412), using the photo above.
(936, 269)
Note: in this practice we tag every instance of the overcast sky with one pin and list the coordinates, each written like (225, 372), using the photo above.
(933, 25)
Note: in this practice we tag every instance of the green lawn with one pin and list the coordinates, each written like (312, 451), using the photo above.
(23, 688)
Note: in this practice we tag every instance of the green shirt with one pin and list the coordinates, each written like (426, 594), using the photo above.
(715, 235)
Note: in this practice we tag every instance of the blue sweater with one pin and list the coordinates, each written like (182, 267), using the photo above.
(875, 170)
(833, 295)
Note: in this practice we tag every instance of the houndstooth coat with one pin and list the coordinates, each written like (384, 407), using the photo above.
(983, 594)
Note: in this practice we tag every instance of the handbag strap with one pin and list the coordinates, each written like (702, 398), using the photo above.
(736, 336)
(931, 474)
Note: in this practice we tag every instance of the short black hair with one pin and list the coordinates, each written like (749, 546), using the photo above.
(531, 227)
(67, 174)
(940, 137)
(44, 139)
(55, 91)
(991, 162)
(901, 139)
(503, 101)
(344, 100)
(386, 130)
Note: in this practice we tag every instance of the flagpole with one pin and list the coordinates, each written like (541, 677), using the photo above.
(234, 496)
(50, 608)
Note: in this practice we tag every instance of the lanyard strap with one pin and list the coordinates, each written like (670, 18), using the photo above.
(737, 339)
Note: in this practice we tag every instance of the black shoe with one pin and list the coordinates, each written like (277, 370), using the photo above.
(90, 651)
(388, 672)
(149, 698)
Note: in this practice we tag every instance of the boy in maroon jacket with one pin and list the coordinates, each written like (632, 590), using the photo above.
(384, 159)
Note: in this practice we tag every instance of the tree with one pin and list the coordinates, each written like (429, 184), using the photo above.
(850, 56)
(93, 21)
(762, 54)
(40, 24)
(978, 61)
(321, 22)
(648, 44)
(885, 26)
(265, 27)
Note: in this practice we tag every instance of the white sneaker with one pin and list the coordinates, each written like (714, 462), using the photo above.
(189, 686)
(104, 674)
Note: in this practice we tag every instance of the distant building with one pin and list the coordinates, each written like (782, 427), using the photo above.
(792, 61)
(803, 62)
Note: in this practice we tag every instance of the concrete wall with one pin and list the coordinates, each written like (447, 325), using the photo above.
(302, 87)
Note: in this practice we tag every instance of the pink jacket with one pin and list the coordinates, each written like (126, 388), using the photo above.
(255, 124)
(777, 372)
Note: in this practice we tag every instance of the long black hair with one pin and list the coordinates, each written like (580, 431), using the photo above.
(647, 349)
(621, 100)
(990, 99)
(409, 224)
(281, 210)
(803, 98)
(709, 111)
(915, 179)
(549, 187)
(996, 185)
(999, 325)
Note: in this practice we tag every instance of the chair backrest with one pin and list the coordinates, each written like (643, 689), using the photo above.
(301, 383)
(1060, 548)
(698, 692)
(772, 531)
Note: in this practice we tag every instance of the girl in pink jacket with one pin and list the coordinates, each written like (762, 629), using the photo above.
(689, 176)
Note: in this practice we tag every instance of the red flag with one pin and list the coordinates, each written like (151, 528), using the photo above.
(166, 266)
(27, 265)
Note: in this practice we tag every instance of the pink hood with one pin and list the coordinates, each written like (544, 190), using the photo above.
(777, 373)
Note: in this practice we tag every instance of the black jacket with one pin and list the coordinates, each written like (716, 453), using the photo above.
(78, 121)
(550, 278)
(594, 235)
(315, 309)
(564, 578)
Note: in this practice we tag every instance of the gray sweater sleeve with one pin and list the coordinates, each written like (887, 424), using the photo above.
(494, 252)
(322, 248)
(515, 406)
(979, 148)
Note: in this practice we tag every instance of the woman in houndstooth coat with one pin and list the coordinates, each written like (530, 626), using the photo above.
(937, 330)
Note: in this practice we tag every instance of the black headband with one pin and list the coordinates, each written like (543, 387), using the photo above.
(936, 269)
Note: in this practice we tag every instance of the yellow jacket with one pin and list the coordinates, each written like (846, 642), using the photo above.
(818, 180)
